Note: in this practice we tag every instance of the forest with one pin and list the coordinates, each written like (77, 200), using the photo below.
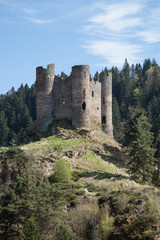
(134, 87)
(81, 184)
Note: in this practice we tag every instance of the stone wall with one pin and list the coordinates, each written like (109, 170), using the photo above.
(95, 102)
(81, 95)
(44, 99)
(76, 98)
(106, 102)
(62, 95)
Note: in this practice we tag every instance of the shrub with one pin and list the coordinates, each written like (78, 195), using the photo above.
(58, 148)
(106, 226)
(31, 231)
(62, 171)
(64, 232)
(84, 219)
(123, 200)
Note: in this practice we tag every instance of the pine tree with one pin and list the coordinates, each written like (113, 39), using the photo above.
(139, 140)
(4, 130)
(157, 146)
(116, 120)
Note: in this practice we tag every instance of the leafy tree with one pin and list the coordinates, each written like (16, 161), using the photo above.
(62, 171)
(139, 140)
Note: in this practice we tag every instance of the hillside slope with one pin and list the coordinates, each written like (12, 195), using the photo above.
(99, 201)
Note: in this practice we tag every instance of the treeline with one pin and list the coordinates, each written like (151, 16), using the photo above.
(17, 112)
(136, 86)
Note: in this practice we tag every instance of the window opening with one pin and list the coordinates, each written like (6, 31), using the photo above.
(104, 119)
(97, 108)
(84, 93)
(84, 106)
(92, 94)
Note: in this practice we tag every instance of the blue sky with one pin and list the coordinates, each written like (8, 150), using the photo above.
(69, 32)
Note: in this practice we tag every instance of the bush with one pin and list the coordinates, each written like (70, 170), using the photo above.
(106, 226)
(31, 231)
(84, 219)
(58, 148)
(64, 232)
(62, 171)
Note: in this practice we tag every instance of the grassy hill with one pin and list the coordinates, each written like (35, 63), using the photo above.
(79, 188)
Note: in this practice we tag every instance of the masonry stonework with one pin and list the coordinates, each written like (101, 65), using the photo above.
(77, 98)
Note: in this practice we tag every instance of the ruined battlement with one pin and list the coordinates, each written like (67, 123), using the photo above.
(76, 98)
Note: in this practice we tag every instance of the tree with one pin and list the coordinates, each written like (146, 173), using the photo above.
(139, 140)
(146, 65)
(31, 231)
(4, 130)
(116, 120)
(125, 80)
(16, 203)
(157, 146)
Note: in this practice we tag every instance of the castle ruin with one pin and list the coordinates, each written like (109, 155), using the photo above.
(77, 98)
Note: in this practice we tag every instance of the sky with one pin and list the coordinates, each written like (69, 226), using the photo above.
(100, 33)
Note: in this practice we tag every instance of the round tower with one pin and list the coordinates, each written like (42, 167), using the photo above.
(44, 89)
(81, 96)
(106, 102)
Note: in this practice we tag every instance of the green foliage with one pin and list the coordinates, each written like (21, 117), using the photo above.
(157, 146)
(106, 226)
(29, 205)
(17, 111)
(64, 232)
(31, 231)
(58, 148)
(62, 171)
(116, 120)
(139, 140)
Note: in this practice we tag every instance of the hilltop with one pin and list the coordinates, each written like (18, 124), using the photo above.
(75, 185)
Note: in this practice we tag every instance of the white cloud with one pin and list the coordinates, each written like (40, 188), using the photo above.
(114, 52)
(121, 30)
(31, 14)
(150, 36)
(39, 21)
(117, 18)
(29, 11)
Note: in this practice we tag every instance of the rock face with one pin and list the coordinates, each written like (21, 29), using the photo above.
(76, 98)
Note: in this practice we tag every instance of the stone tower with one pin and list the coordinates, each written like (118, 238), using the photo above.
(45, 104)
(77, 98)
(80, 95)
(106, 102)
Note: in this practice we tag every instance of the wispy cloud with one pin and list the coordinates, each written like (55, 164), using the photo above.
(28, 14)
(118, 31)
(33, 16)
(39, 21)
(119, 17)
(113, 53)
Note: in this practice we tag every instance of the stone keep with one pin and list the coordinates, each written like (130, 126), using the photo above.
(76, 98)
